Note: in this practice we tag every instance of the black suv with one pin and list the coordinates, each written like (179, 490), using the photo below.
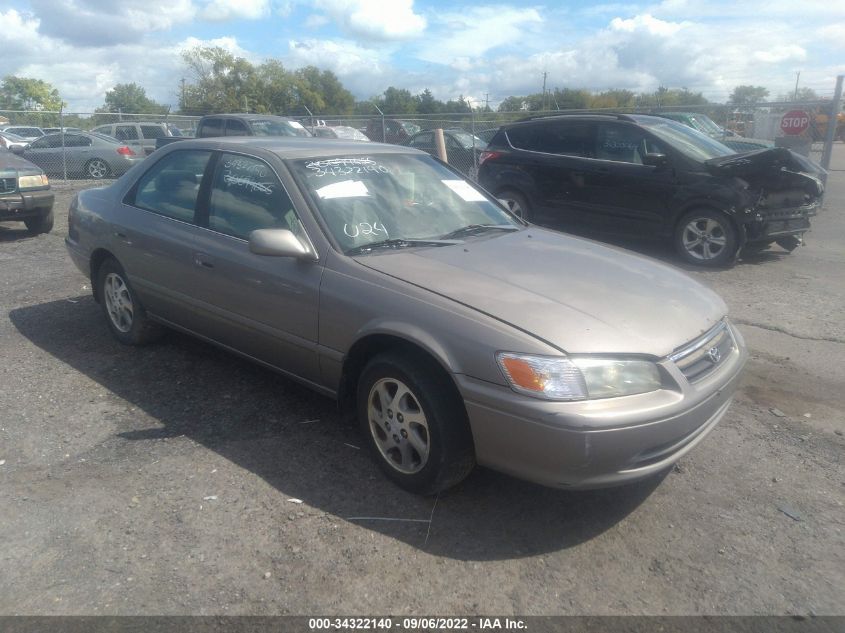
(647, 176)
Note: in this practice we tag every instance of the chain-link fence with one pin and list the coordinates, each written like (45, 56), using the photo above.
(85, 151)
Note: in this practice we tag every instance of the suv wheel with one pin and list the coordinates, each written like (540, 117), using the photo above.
(516, 203)
(706, 237)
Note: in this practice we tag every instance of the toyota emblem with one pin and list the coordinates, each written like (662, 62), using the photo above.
(714, 355)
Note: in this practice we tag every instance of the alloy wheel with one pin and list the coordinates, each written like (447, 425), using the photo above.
(704, 238)
(119, 304)
(98, 168)
(398, 425)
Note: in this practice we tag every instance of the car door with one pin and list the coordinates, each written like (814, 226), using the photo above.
(78, 151)
(154, 237)
(556, 162)
(624, 195)
(46, 152)
(263, 306)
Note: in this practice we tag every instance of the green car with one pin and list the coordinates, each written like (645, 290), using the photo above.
(706, 125)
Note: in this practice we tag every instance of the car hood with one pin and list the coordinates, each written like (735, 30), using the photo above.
(759, 161)
(575, 294)
(9, 161)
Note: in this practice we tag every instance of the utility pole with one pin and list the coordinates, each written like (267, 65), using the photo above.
(246, 103)
(797, 77)
(543, 104)
(182, 98)
(486, 101)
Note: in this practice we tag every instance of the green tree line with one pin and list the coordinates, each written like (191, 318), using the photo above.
(218, 81)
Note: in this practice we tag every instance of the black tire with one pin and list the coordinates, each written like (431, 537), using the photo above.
(516, 203)
(706, 237)
(42, 224)
(450, 455)
(138, 330)
(97, 168)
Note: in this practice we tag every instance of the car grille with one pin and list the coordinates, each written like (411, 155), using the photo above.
(8, 185)
(702, 356)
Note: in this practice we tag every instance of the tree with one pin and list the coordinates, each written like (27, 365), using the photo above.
(427, 104)
(397, 101)
(322, 92)
(131, 98)
(223, 82)
(748, 95)
(22, 93)
(802, 94)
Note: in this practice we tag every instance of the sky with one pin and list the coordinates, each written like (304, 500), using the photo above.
(485, 51)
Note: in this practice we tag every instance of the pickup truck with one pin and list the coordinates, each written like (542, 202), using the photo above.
(241, 125)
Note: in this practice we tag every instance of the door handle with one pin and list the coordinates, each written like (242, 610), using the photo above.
(123, 237)
(201, 259)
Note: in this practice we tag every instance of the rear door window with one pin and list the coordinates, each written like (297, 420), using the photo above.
(246, 195)
(171, 187)
(211, 127)
(567, 138)
(75, 140)
(236, 128)
(152, 131)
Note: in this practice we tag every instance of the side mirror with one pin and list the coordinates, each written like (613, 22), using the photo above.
(16, 149)
(278, 243)
(656, 160)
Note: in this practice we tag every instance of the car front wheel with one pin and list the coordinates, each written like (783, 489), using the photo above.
(414, 422)
(124, 313)
(42, 224)
(706, 237)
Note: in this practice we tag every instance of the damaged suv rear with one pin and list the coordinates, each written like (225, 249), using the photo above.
(646, 176)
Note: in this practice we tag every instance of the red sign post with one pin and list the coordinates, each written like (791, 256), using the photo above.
(795, 122)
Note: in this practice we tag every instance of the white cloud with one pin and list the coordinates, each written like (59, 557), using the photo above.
(361, 69)
(777, 54)
(94, 23)
(375, 19)
(316, 20)
(459, 37)
(225, 10)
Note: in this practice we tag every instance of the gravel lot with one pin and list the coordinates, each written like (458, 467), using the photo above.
(163, 480)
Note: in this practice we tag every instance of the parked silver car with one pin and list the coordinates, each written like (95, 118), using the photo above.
(455, 332)
(83, 154)
(28, 132)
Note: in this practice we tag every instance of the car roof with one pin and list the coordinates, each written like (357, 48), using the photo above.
(590, 116)
(296, 147)
(249, 117)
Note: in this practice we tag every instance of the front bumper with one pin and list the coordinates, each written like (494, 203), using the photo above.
(598, 443)
(773, 224)
(24, 205)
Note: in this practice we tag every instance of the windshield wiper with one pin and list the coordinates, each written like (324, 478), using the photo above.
(401, 242)
(475, 229)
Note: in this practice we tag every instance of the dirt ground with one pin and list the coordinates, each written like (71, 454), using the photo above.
(166, 479)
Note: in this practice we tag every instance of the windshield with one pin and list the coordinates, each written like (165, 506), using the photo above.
(410, 128)
(705, 124)
(468, 141)
(365, 200)
(691, 143)
(270, 127)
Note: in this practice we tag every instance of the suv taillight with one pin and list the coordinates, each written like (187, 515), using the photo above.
(125, 151)
(485, 156)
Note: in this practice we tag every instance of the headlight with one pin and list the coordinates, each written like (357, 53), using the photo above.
(561, 378)
(32, 182)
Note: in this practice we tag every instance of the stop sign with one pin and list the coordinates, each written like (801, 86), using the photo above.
(795, 122)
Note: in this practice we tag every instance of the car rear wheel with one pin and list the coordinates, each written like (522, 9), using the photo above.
(706, 237)
(97, 168)
(124, 313)
(516, 203)
(414, 422)
(43, 224)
